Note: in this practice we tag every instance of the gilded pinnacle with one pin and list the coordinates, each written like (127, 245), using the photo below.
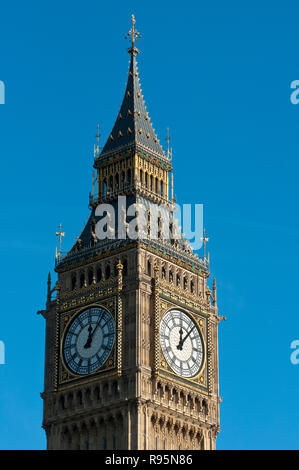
(133, 35)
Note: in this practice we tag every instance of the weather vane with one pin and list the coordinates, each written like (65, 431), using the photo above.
(133, 35)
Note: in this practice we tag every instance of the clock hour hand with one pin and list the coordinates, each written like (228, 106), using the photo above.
(179, 346)
(89, 339)
(91, 334)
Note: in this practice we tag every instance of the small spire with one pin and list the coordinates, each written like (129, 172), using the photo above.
(97, 147)
(168, 141)
(59, 234)
(204, 239)
(49, 287)
(92, 185)
(172, 198)
(214, 293)
(133, 35)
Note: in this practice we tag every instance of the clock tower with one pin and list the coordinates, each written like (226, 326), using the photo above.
(131, 354)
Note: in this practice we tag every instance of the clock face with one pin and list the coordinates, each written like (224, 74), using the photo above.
(181, 343)
(89, 341)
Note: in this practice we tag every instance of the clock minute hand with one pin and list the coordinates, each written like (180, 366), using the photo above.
(95, 328)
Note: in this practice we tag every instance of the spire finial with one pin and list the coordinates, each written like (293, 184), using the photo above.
(97, 147)
(133, 35)
(204, 239)
(214, 293)
(168, 141)
(59, 234)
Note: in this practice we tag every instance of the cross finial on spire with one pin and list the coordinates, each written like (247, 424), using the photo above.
(133, 35)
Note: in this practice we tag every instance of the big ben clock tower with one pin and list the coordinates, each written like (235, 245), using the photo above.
(131, 355)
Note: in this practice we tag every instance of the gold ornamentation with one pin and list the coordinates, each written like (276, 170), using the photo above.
(59, 234)
(133, 35)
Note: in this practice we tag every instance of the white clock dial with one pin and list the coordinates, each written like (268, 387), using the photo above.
(181, 343)
(89, 341)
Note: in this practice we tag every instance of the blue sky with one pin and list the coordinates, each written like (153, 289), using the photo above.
(218, 74)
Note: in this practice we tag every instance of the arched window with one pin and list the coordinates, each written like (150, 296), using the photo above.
(161, 188)
(129, 176)
(170, 276)
(185, 283)
(90, 277)
(70, 399)
(141, 177)
(116, 182)
(163, 273)
(105, 187)
(151, 185)
(111, 185)
(74, 281)
(149, 268)
(125, 267)
(122, 179)
(178, 280)
(146, 180)
(192, 287)
(82, 280)
(107, 271)
(79, 398)
(62, 403)
(99, 274)
(115, 389)
(204, 407)
(97, 393)
(157, 186)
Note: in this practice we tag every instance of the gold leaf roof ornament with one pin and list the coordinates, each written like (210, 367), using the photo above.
(133, 35)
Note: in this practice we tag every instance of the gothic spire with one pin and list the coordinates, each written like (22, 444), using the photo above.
(133, 128)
